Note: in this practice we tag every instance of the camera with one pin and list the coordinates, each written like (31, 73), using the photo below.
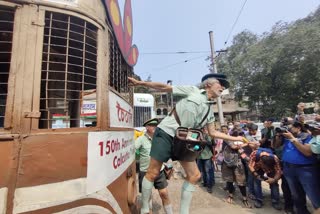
(282, 129)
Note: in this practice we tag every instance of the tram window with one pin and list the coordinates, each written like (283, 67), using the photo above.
(119, 71)
(68, 77)
(6, 32)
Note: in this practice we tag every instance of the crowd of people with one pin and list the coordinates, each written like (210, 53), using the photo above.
(286, 154)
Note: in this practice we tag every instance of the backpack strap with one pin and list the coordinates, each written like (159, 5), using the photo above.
(174, 112)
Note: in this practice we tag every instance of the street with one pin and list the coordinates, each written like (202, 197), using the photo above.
(203, 202)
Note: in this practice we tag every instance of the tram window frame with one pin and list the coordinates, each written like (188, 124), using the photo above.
(6, 44)
(66, 86)
(119, 71)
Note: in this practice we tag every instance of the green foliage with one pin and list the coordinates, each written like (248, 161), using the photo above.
(277, 70)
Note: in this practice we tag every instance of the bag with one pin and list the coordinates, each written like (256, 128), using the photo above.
(188, 144)
(168, 171)
(230, 156)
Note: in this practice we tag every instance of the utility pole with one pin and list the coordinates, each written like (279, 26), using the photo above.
(169, 82)
(213, 60)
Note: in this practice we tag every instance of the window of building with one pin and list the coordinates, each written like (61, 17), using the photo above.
(165, 111)
(158, 111)
(68, 77)
(119, 71)
(6, 34)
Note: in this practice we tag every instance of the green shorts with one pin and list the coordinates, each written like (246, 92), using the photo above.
(161, 149)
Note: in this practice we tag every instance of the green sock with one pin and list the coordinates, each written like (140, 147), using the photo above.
(146, 193)
(186, 196)
(168, 209)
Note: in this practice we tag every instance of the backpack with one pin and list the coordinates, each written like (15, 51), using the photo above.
(267, 150)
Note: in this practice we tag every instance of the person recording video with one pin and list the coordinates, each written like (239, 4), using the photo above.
(300, 166)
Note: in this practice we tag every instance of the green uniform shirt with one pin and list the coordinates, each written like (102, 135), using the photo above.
(206, 153)
(191, 109)
(315, 144)
(143, 145)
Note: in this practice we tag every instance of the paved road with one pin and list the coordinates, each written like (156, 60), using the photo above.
(203, 202)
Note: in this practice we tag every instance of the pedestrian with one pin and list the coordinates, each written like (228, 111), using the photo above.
(232, 169)
(143, 145)
(205, 163)
(300, 168)
(192, 110)
(265, 166)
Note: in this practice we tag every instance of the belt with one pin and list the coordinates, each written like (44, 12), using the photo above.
(291, 165)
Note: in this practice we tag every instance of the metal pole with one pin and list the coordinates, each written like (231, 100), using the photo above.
(213, 56)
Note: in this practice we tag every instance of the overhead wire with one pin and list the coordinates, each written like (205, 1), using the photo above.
(184, 61)
(236, 21)
(174, 52)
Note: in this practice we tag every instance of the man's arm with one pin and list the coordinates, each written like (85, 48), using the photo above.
(155, 85)
(305, 149)
(277, 169)
(216, 134)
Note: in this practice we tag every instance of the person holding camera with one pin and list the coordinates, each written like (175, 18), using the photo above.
(192, 111)
(300, 167)
(143, 145)
(265, 166)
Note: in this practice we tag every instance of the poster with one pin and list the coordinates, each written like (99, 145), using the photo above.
(109, 155)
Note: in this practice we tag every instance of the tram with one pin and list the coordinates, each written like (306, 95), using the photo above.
(66, 110)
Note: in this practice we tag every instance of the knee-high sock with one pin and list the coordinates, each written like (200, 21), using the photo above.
(186, 196)
(168, 209)
(146, 193)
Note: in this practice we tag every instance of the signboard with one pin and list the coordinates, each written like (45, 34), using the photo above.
(65, 2)
(109, 154)
(121, 113)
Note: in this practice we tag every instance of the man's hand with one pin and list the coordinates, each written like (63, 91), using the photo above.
(133, 81)
(288, 135)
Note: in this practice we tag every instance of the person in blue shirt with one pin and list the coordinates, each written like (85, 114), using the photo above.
(300, 168)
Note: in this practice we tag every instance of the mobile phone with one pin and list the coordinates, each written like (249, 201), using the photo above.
(194, 135)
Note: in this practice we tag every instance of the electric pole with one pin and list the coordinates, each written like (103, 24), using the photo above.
(213, 58)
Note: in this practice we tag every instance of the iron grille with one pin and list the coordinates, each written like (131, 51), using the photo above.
(141, 114)
(68, 77)
(119, 71)
(6, 34)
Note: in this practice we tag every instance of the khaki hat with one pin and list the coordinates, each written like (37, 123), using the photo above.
(151, 122)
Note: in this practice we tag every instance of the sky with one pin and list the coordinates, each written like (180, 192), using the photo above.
(184, 25)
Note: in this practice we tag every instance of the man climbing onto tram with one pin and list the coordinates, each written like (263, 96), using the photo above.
(192, 111)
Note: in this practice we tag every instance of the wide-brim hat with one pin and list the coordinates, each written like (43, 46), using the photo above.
(151, 122)
(220, 77)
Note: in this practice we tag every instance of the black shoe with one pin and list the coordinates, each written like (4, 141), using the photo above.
(204, 185)
(257, 204)
(209, 190)
(276, 206)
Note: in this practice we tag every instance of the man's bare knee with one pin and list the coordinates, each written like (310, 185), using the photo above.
(152, 174)
(153, 170)
(164, 195)
(194, 178)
